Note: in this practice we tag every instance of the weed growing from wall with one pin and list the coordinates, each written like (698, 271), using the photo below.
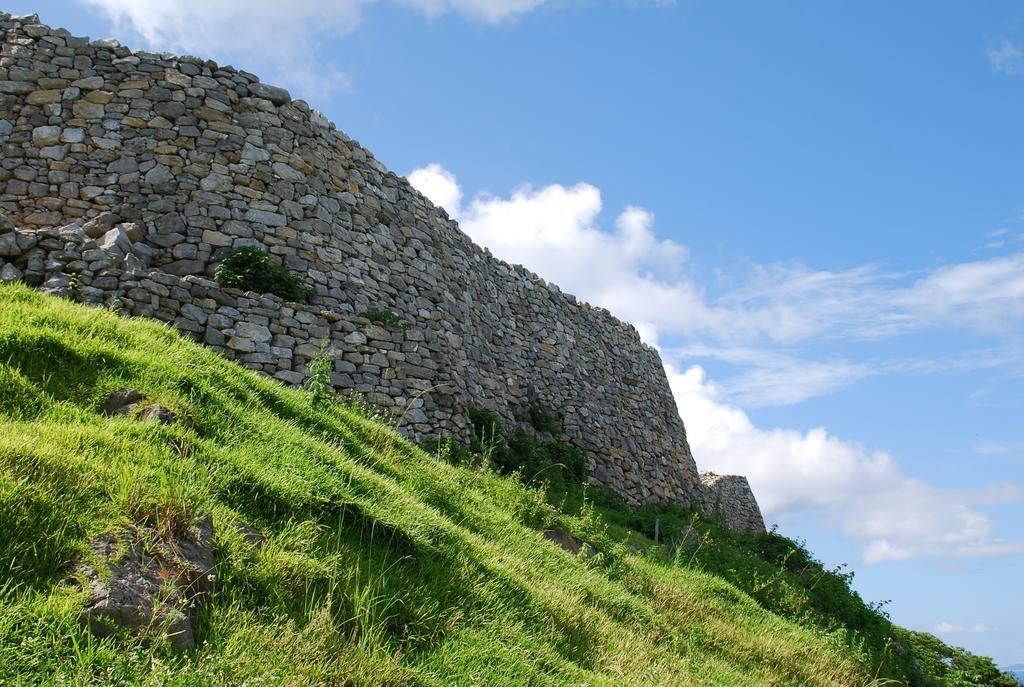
(249, 268)
(543, 420)
(536, 459)
(319, 384)
(385, 318)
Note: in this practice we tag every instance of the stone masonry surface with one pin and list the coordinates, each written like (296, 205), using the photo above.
(127, 176)
(730, 497)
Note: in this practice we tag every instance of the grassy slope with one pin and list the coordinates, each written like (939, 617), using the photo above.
(383, 565)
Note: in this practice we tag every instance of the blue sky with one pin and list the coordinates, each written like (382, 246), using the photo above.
(815, 210)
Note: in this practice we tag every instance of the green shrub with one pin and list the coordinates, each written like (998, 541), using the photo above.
(486, 426)
(385, 318)
(450, 451)
(537, 461)
(319, 383)
(951, 666)
(543, 421)
(249, 268)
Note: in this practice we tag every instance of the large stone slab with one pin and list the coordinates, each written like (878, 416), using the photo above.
(149, 583)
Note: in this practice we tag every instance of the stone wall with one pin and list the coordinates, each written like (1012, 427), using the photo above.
(131, 174)
(730, 497)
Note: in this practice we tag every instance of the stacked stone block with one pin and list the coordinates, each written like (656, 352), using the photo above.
(730, 497)
(131, 174)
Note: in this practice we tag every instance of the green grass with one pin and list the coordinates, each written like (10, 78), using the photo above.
(382, 566)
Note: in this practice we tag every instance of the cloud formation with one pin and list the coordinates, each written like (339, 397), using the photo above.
(488, 11)
(283, 40)
(772, 378)
(863, 492)
(949, 629)
(554, 231)
(1006, 57)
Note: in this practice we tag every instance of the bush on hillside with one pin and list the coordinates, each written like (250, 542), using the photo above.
(345, 556)
(953, 666)
(780, 574)
(537, 460)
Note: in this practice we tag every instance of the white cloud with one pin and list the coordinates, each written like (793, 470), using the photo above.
(987, 294)
(1006, 57)
(949, 628)
(999, 448)
(867, 303)
(440, 186)
(554, 231)
(771, 378)
(998, 492)
(792, 382)
(489, 11)
(283, 40)
(864, 492)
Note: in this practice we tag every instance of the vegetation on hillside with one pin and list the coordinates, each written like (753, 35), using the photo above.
(382, 565)
(779, 573)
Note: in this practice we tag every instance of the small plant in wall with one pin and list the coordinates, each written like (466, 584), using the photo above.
(384, 318)
(249, 268)
(74, 287)
(319, 384)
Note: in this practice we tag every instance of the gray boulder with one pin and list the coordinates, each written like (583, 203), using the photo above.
(157, 413)
(116, 242)
(160, 177)
(9, 245)
(100, 225)
(129, 402)
(122, 402)
(147, 584)
(569, 542)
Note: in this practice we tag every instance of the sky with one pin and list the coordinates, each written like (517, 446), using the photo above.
(815, 211)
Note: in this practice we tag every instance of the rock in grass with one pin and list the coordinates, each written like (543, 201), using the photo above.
(127, 402)
(568, 542)
(250, 535)
(122, 402)
(151, 585)
(157, 413)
